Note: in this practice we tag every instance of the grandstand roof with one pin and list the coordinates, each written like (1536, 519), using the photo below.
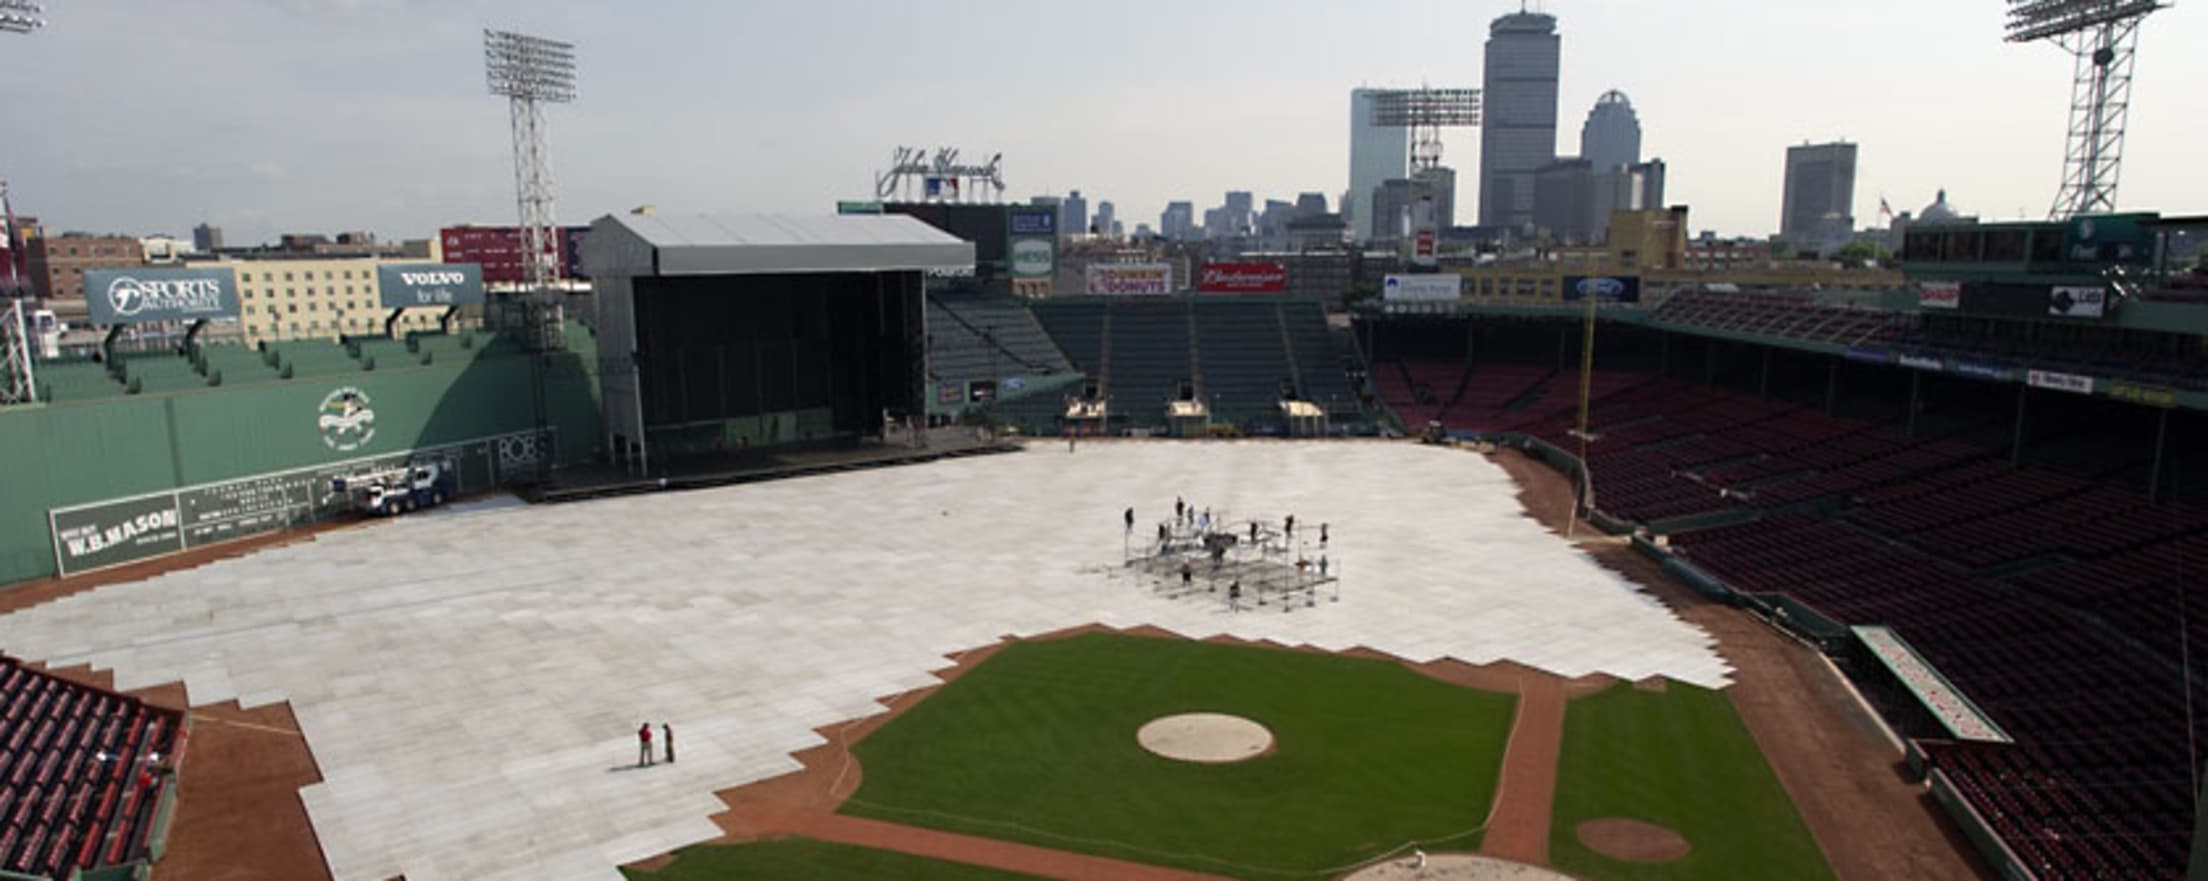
(757, 244)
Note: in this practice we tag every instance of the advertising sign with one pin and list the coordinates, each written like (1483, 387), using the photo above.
(1940, 295)
(1034, 257)
(1443, 288)
(129, 296)
(1242, 278)
(2080, 302)
(2109, 238)
(1985, 371)
(116, 532)
(1608, 289)
(2061, 382)
(949, 393)
(1868, 355)
(1130, 279)
(1922, 363)
(404, 285)
(2140, 394)
(119, 531)
(1041, 221)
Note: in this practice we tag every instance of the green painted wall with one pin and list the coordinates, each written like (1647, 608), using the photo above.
(65, 454)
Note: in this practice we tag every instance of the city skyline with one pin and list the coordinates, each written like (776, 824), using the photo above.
(344, 114)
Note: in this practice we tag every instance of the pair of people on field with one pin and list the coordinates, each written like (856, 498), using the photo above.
(644, 743)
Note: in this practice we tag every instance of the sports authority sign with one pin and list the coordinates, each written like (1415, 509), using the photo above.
(131, 296)
(1444, 288)
(406, 285)
(1242, 278)
(1130, 279)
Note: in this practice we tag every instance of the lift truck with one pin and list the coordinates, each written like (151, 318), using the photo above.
(391, 491)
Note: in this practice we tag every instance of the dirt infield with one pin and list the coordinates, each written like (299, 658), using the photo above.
(804, 802)
(1632, 840)
(1844, 776)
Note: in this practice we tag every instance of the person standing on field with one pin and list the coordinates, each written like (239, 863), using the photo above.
(644, 745)
(667, 733)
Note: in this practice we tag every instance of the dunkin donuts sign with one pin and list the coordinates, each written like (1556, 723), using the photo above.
(1242, 278)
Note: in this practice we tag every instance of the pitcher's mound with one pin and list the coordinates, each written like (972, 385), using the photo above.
(1632, 840)
(1205, 737)
(1454, 867)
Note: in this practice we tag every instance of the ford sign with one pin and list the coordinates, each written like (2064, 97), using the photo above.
(1608, 289)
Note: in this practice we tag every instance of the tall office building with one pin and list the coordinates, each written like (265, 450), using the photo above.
(1178, 223)
(1073, 215)
(1518, 115)
(1820, 195)
(1106, 215)
(1310, 204)
(1611, 138)
(206, 239)
(1376, 154)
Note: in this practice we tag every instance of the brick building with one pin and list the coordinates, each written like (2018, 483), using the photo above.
(56, 265)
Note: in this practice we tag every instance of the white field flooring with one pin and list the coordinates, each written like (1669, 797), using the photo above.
(471, 683)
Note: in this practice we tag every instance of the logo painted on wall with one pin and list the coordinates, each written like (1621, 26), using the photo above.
(346, 421)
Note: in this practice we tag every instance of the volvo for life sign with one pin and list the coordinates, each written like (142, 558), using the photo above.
(408, 285)
(132, 296)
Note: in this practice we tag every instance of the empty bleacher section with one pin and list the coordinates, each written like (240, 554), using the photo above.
(1243, 359)
(973, 337)
(71, 381)
(235, 364)
(1321, 373)
(2036, 547)
(1794, 315)
(1242, 354)
(85, 774)
(151, 372)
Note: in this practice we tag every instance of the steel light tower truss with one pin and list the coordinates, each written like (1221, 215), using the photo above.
(18, 373)
(531, 72)
(2103, 38)
(21, 16)
(1426, 111)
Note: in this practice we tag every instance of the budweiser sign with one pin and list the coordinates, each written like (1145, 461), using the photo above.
(1242, 278)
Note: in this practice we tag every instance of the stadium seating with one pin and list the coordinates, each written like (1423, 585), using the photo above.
(152, 372)
(1243, 356)
(70, 381)
(1319, 368)
(1149, 355)
(238, 365)
(83, 770)
(307, 358)
(1784, 314)
(973, 337)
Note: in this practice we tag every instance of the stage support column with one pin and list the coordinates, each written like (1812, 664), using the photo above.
(2161, 436)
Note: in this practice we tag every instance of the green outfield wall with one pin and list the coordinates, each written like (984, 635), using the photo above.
(135, 476)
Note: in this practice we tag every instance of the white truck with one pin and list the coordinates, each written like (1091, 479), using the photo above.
(398, 490)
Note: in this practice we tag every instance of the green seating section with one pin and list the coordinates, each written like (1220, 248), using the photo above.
(67, 381)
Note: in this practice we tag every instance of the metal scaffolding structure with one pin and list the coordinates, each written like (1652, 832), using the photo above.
(18, 371)
(2102, 37)
(1426, 111)
(1241, 565)
(21, 16)
(531, 72)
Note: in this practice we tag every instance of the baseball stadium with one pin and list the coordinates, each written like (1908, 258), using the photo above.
(896, 575)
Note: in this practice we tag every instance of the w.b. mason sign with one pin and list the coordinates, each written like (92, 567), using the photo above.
(409, 285)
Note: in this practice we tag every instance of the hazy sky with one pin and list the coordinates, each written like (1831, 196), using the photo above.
(264, 116)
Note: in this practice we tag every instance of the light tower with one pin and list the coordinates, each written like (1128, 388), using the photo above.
(21, 16)
(2103, 37)
(531, 72)
(1426, 111)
